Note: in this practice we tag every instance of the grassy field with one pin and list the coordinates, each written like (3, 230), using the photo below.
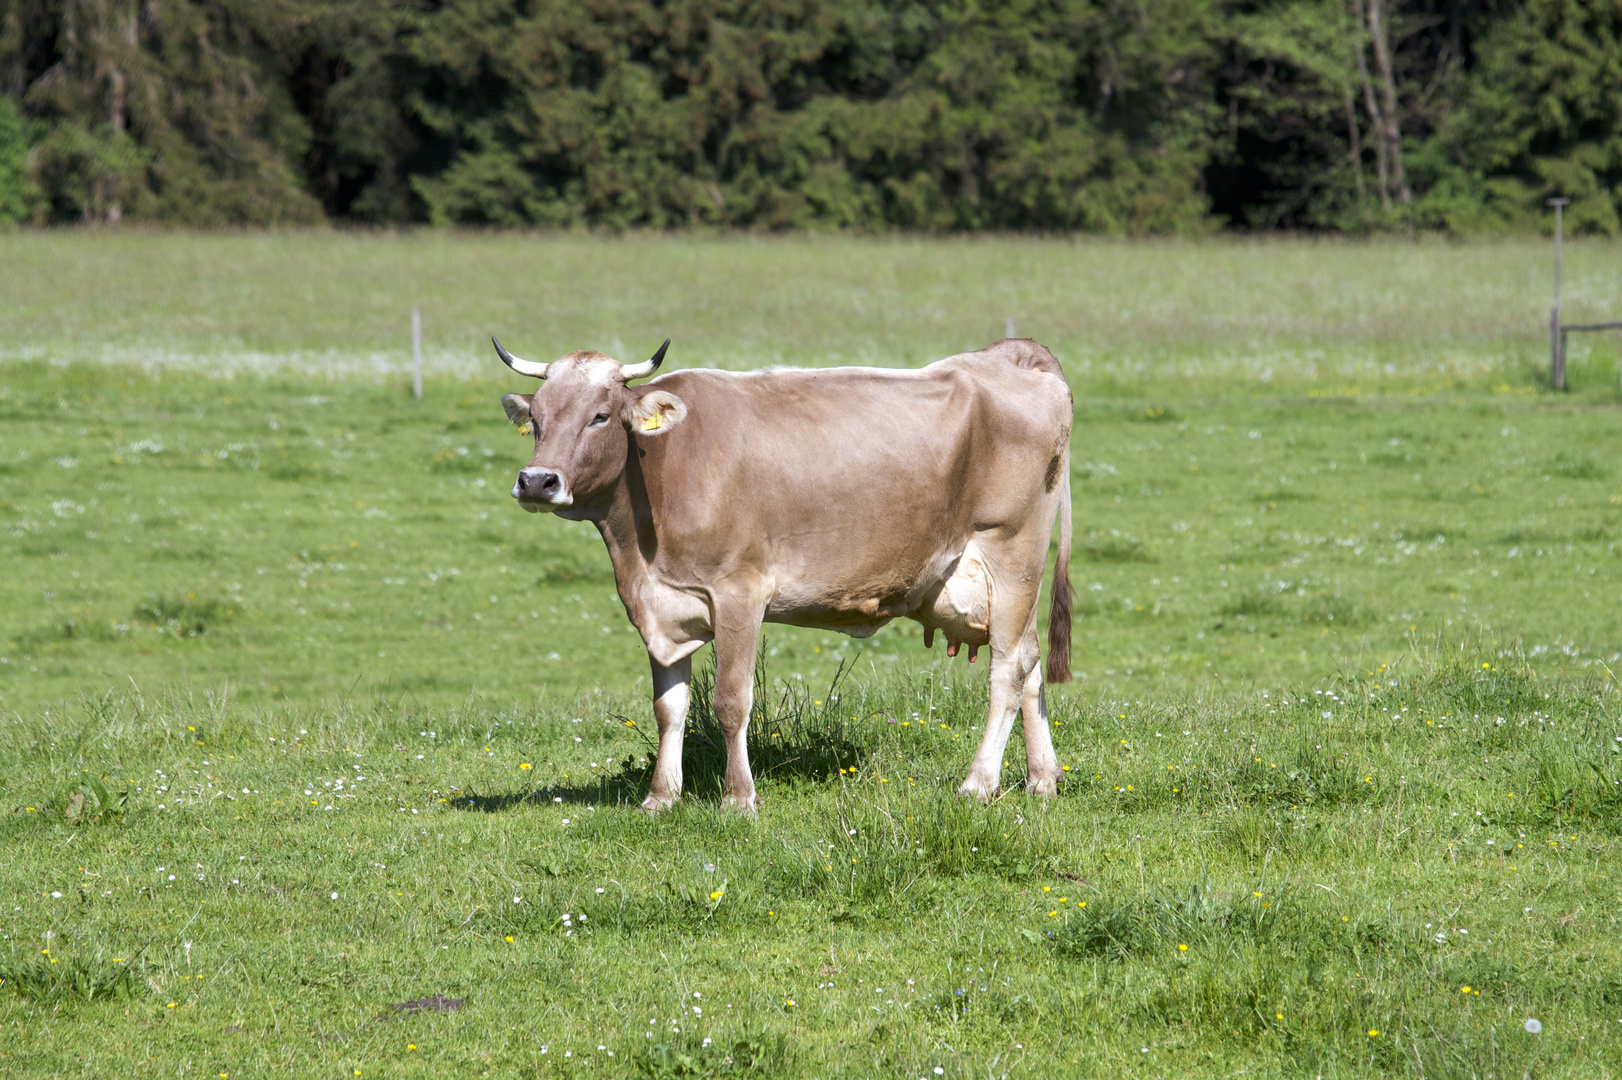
(1167, 318)
(310, 733)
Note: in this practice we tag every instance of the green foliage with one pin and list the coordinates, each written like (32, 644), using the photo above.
(94, 802)
(49, 981)
(181, 112)
(18, 191)
(688, 1056)
(1543, 118)
(1057, 115)
(188, 616)
(765, 114)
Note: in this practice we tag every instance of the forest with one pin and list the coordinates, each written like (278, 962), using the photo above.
(1116, 117)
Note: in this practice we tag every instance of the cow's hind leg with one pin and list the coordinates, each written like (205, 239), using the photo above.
(1042, 772)
(736, 644)
(670, 697)
(1011, 667)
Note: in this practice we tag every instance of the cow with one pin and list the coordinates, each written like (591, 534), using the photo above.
(836, 498)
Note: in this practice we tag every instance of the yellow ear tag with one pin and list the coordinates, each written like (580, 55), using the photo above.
(654, 422)
(525, 428)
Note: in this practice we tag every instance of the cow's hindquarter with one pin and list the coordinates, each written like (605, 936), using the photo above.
(1016, 556)
(1015, 562)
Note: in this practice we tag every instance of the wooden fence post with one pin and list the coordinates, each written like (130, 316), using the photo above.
(416, 353)
(1557, 340)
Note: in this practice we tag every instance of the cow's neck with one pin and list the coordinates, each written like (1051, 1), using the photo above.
(626, 526)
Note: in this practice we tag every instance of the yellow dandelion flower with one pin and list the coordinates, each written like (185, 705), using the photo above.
(1464, 989)
(1182, 948)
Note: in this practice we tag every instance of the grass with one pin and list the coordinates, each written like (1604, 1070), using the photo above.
(316, 752)
(1163, 319)
(1336, 862)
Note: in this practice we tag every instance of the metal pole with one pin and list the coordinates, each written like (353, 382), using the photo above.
(1008, 325)
(416, 354)
(1557, 343)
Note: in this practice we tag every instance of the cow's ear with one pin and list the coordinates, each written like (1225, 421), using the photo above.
(517, 406)
(655, 412)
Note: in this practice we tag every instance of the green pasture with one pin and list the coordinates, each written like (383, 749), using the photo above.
(318, 757)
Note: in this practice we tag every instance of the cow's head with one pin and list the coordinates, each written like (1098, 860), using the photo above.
(582, 418)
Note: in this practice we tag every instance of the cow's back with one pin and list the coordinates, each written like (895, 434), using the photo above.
(850, 487)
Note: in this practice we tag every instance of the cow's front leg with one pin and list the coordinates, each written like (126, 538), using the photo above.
(736, 643)
(670, 697)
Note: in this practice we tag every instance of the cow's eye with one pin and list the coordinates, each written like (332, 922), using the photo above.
(600, 419)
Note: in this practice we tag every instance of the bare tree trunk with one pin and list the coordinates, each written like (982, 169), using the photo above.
(1355, 136)
(1382, 170)
(1379, 37)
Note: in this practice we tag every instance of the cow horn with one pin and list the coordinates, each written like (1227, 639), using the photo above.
(523, 367)
(648, 367)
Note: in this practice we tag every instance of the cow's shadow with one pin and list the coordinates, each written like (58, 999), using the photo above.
(791, 737)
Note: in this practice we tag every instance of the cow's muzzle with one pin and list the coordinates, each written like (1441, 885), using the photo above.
(540, 489)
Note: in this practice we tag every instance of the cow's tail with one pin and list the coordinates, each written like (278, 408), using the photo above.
(1058, 665)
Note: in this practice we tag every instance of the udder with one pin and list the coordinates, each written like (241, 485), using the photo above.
(960, 607)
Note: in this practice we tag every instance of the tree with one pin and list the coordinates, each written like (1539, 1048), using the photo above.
(18, 193)
(1543, 117)
(176, 111)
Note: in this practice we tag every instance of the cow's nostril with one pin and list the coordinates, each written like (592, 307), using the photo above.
(540, 483)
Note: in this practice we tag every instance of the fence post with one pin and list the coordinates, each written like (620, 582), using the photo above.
(1557, 340)
(416, 353)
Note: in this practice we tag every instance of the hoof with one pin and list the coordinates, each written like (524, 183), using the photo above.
(979, 792)
(658, 804)
(1043, 787)
(741, 804)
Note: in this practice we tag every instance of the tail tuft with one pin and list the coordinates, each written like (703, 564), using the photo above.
(1057, 669)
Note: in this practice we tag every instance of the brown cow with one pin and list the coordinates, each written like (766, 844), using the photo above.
(839, 499)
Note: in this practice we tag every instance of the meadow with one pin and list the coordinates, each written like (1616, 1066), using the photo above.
(319, 757)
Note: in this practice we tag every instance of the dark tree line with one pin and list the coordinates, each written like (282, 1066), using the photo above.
(1112, 116)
